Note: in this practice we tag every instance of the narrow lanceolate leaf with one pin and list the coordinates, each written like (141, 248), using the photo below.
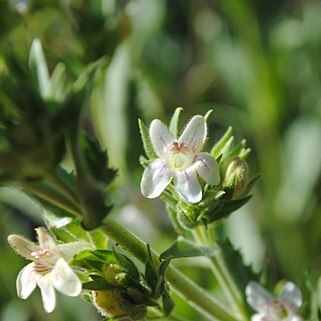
(173, 125)
(217, 149)
(38, 65)
(184, 248)
(168, 303)
(148, 147)
(127, 264)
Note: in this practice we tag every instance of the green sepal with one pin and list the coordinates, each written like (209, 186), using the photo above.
(148, 146)
(173, 125)
(98, 283)
(218, 147)
(127, 264)
(184, 248)
(150, 269)
(208, 114)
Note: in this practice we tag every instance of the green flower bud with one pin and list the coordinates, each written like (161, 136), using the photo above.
(114, 303)
(186, 217)
(235, 177)
(115, 274)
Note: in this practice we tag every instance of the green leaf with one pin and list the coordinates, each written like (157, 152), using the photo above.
(225, 208)
(94, 259)
(168, 303)
(241, 273)
(59, 86)
(99, 239)
(38, 65)
(148, 146)
(173, 125)
(184, 248)
(98, 283)
(127, 264)
(150, 269)
(96, 160)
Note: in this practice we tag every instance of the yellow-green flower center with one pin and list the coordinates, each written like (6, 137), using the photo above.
(179, 156)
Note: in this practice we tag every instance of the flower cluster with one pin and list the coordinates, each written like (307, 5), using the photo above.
(49, 268)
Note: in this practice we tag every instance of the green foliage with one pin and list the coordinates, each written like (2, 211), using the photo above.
(185, 248)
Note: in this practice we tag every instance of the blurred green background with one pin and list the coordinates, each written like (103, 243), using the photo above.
(256, 63)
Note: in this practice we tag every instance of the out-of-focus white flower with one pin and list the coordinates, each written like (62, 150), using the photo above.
(180, 159)
(49, 268)
(281, 308)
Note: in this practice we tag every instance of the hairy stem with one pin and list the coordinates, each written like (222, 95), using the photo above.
(184, 287)
(221, 272)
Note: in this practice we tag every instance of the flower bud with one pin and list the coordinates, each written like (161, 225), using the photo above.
(235, 176)
(186, 217)
(115, 274)
(114, 303)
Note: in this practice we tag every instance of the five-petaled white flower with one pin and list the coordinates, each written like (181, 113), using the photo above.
(281, 308)
(180, 159)
(49, 269)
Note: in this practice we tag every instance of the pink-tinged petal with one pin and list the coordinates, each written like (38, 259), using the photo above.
(291, 295)
(160, 136)
(207, 167)
(48, 294)
(23, 246)
(64, 279)
(46, 241)
(194, 133)
(187, 186)
(26, 281)
(155, 178)
(257, 297)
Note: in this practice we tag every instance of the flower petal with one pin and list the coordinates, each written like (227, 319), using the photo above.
(155, 178)
(160, 136)
(207, 168)
(64, 279)
(258, 317)
(23, 246)
(47, 293)
(257, 297)
(194, 133)
(291, 295)
(188, 186)
(46, 241)
(26, 281)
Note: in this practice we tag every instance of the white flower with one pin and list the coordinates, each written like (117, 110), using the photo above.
(180, 159)
(281, 308)
(49, 269)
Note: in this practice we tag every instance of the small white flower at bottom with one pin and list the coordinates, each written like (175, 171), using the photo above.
(281, 308)
(49, 269)
(180, 159)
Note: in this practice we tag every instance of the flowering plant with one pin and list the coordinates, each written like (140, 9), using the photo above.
(52, 149)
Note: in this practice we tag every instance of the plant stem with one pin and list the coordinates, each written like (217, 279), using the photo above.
(221, 272)
(184, 287)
